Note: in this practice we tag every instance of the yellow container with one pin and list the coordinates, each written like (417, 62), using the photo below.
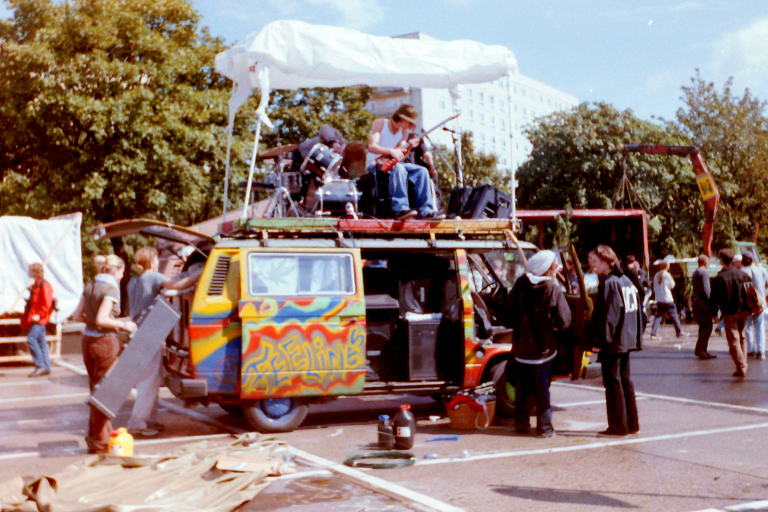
(121, 443)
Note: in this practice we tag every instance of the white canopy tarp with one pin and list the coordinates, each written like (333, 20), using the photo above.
(296, 54)
(54, 242)
(291, 54)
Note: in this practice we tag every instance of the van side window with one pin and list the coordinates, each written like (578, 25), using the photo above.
(300, 274)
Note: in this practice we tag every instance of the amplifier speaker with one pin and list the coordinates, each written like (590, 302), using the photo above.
(481, 202)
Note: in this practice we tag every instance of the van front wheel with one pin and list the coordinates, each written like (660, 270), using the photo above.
(269, 415)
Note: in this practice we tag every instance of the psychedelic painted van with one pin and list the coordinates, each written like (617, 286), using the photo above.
(293, 311)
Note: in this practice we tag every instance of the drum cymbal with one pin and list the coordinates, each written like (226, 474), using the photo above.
(277, 151)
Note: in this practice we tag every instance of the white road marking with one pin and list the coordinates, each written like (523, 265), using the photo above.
(378, 484)
(753, 505)
(43, 397)
(668, 398)
(591, 446)
(587, 402)
(138, 442)
(80, 370)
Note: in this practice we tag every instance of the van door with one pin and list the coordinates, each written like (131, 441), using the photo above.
(303, 322)
(574, 340)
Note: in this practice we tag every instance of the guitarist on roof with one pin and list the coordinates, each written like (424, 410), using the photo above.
(387, 147)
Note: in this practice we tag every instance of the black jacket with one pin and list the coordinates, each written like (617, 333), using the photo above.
(700, 290)
(616, 321)
(537, 310)
(728, 292)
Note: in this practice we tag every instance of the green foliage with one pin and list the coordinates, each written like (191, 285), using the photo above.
(577, 160)
(732, 133)
(115, 110)
(297, 115)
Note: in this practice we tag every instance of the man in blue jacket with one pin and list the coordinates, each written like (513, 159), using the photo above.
(616, 331)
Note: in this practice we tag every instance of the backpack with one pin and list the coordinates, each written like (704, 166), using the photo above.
(750, 302)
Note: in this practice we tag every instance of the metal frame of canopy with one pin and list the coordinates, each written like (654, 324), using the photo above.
(292, 54)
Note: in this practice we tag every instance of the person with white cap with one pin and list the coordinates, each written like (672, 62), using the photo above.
(538, 309)
(616, 331)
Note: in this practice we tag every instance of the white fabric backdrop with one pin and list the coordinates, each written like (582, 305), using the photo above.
(23, 241)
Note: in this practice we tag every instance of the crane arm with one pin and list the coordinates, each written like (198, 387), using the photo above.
(707, 188)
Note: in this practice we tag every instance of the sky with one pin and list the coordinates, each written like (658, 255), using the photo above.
(632, 54)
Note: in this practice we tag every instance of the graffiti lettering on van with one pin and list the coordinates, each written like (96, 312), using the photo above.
(296, 360)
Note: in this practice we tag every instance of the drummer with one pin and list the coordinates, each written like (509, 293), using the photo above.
(328, 135)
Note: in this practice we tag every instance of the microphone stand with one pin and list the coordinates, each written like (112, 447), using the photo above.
(457, 155)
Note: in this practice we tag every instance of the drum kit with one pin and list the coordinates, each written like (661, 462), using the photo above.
(320, 187)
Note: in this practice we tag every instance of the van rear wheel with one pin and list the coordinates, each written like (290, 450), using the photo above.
(269, 415)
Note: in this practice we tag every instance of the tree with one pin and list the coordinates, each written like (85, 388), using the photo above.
(577, 162)
(297, 115)
(117, 112)
(115, 108)
(732, 133)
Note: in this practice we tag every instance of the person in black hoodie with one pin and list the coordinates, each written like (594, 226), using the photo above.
(616, 331)
(729, 296)
(538, 309)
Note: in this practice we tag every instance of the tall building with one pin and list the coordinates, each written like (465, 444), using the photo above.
(495, 112)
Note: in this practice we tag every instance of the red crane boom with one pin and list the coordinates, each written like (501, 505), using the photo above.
(707, 188)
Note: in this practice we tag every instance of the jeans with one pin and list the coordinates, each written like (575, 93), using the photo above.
(756, 333)
(533, 379)
(399, 177)
(671, 310)
(38, 347)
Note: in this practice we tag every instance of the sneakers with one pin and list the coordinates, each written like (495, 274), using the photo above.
(39, 372)
(405, 214)
(706, 355)
(739, 373)
(653, 337)
(683, 334)
(759, 355)
(144, 432)
(543, 434)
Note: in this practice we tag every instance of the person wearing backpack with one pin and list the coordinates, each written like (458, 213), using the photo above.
(729, 296)
(36, 315)
(755, 330)
(616, 331)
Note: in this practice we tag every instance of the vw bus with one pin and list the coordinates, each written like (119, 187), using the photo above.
(294, 311)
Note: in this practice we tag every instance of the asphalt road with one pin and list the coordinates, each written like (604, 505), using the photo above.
(702, 445)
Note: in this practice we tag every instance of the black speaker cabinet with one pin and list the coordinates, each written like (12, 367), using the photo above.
(422, 344)
(486, 202)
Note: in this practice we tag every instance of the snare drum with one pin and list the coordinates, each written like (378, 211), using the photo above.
(321, 160)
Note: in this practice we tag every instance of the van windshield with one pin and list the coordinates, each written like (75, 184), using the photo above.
(300, 274)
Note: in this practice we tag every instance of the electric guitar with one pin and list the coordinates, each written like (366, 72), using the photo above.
(386, 162)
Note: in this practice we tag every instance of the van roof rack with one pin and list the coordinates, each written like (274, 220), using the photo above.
(350, 232)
